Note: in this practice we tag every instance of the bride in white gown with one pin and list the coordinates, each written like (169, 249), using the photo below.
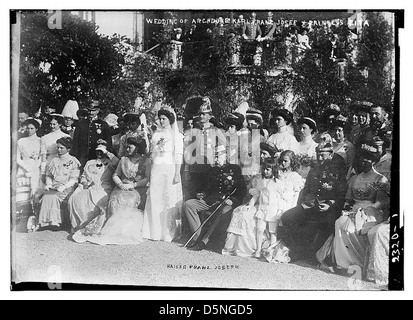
(162, 216)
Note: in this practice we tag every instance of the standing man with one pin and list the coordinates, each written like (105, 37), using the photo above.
(88, 132)
(379, 129)
(200, 147)
(379, 126)
(21, 131)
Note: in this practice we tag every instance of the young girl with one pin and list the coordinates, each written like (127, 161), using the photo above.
(281, 187)
(241, 233)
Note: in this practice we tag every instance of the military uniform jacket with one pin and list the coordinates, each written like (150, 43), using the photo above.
(251, 30)
(222, 181)
(326, 182)
(200, 147)
(86, 134)
(268, 29)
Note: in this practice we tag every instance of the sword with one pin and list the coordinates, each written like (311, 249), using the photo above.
(206, 220)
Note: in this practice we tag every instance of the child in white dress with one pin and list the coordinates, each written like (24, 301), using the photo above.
(279, 192)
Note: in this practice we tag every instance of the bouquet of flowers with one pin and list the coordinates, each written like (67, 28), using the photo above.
(160, 144)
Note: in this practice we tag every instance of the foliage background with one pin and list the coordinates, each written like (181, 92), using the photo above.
(75, 62)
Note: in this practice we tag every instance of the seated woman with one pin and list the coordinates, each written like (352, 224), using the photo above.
(307, 146)
(377, 264)
(272, 193)
(283, 139)
(122, 223)
(366, 196)
(62, 174)
(339, 129)
(96, 184)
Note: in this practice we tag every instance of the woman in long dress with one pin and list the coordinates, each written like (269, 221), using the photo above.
(96, 184)
(377, 264)
(62, 174)
(28, 158)
(122, 223)
(162, 218)
(307, 145)
(365, 199)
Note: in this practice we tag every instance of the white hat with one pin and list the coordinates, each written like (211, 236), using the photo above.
(111, 119)
(101, 145)
(70, 109)
(242, 108)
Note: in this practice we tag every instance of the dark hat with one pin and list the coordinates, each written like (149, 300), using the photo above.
(36, 122)
(267, 147)
(362, 106)
(371, 150)
(131, 117)
(340, 121)
(308, 121)
(94, 105)
(236, 119)
(284, 113)
(254, 114)
(81, 113)
(332, 109)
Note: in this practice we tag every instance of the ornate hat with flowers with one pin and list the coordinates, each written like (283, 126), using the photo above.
(254, 114)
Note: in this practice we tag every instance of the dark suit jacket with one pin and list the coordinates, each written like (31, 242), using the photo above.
(86, 134)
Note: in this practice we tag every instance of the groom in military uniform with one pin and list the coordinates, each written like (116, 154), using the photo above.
(87, 133)
(200, 146)
(223, 179)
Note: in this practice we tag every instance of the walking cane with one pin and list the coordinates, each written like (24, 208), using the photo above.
(206, 220)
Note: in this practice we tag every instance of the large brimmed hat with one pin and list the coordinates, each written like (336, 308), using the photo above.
(284, 113)
(236, 119)
(332, 109)
(101, 145)
(254, 114)
(111, 119)
(269, 148)
(340, 121)
(308, 121)
(371, 150)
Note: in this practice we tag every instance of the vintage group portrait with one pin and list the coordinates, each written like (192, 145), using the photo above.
(206, 149)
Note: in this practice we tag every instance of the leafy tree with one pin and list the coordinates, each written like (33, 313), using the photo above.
(73, 62)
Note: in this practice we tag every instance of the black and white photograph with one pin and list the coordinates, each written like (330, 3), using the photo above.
(206, 149)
